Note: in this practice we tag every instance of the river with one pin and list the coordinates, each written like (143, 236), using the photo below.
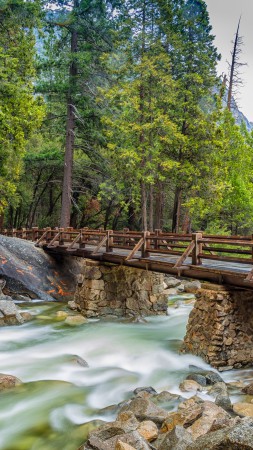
(60, 394)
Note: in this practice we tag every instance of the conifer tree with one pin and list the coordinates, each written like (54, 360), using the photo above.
(20, 111)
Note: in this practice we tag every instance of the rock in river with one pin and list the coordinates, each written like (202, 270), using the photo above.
(30, 270)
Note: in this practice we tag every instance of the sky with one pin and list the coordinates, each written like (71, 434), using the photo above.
(224, 16)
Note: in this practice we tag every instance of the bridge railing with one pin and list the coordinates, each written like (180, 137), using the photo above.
(191, 249)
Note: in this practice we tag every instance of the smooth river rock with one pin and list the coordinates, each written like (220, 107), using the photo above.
(8, 382)
(75, 320)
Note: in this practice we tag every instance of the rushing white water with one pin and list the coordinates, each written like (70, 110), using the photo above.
(59, 394)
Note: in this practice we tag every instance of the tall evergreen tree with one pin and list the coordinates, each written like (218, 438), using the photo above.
(187, 36)
(20, 111)
(139, 126)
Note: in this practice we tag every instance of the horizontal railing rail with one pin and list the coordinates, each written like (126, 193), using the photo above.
(191, 249)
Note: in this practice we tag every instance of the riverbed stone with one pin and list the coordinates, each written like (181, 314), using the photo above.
(200, 379)
(75, 320)
(213, 377)
(248, 389)
(230, 438)
(123, 446)
(243, 409)
(224, 402)
(72, 305)
(192, 287)
(61, 315)
(145, 409)
(148, 389)
(177, 439)
(164, 397)
(109, 441)
(171, 282)
(190, 385)
(219, 388)
(148, 430)
(8, 381)
(26, 316)
(10, 313)
(211, 412)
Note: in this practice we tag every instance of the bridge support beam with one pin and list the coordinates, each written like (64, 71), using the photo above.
(107, 289)
(220, 327)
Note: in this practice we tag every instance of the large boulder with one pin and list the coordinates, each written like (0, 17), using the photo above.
(31, 271)
(240, 436)
(211, 413)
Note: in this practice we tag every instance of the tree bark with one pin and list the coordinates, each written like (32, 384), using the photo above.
(70, 136)
(151, 208)
(176, 210)
(144, 221)
(159, 206)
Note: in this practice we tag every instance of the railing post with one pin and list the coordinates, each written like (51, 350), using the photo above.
(157, 232)
(196, 260)
(146, 244)
(125, 231)
(61, 236)
(48, 235)
(82, 237)
(14, 232)
(109, 242)
(35, 234)
(24, 234)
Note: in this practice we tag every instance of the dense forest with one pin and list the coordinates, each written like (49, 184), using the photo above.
(112, 115)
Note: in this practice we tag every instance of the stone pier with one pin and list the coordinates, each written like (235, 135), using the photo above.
(220, 327)
(106, 289)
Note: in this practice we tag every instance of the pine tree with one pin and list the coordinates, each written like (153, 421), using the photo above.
(70, 75)
(20, 111)
(140, 103)
(187, 33)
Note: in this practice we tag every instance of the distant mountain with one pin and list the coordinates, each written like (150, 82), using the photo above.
(238, 115)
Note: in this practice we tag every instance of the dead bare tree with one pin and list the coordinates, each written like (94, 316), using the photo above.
(235, 80)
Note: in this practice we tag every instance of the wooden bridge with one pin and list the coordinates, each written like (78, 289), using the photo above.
(222, 259)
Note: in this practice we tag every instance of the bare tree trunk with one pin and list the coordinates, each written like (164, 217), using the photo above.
(159, 206)
(131, 217)
(234, 65)
(186, 225)
(176, 210)
(151, 208)
(35, 189)
(144, 221)
(70, 137)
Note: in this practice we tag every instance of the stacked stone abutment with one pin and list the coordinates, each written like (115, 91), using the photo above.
(106, 289)
(220, 327)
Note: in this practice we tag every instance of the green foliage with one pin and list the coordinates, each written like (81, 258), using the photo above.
(151, 137)
(20, 111)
